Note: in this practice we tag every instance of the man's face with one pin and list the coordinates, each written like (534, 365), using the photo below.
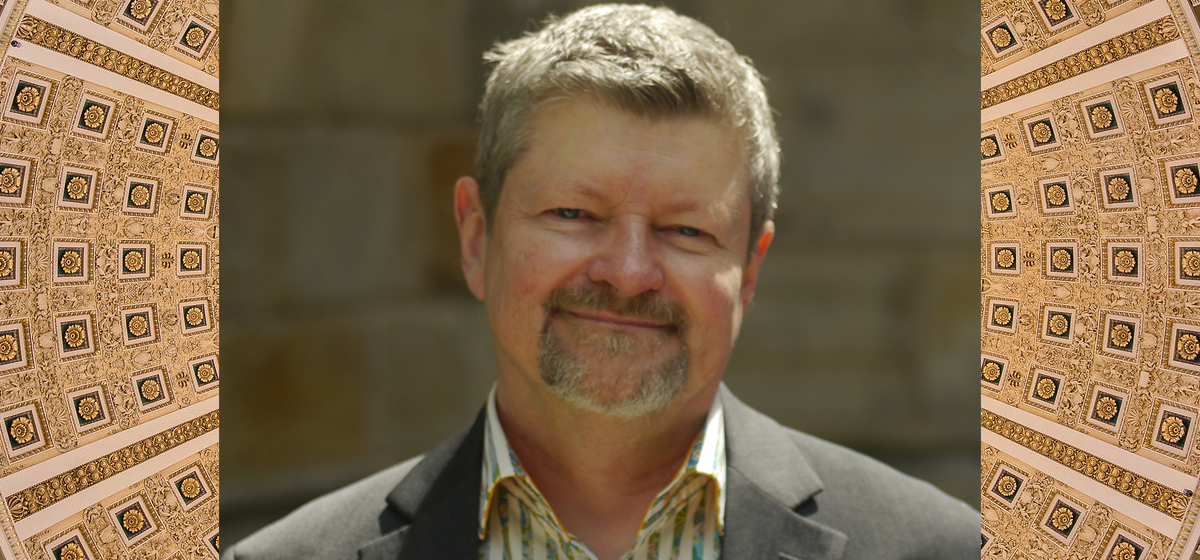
(615, 273)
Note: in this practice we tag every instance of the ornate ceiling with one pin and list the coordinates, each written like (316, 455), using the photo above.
(1090, 263)
(109, 375)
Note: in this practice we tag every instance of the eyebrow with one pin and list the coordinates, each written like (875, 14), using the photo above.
(683, 206)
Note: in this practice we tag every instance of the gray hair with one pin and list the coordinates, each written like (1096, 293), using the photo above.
(648, 61)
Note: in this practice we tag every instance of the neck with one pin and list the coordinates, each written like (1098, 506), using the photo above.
(599, 473)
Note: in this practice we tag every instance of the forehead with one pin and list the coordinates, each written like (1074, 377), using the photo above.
(593, 148)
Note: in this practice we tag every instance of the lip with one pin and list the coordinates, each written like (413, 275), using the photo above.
(619, 320)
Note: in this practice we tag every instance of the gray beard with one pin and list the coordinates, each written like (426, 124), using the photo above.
(568, 376)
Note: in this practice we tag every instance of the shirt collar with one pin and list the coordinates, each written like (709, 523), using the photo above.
(707, 458)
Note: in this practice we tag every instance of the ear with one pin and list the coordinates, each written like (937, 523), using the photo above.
(757, 252)
(472, 233)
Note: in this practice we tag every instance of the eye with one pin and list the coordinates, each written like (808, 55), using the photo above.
(568, 213)
(688, 231)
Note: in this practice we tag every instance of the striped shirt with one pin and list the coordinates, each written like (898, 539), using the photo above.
(684, 522)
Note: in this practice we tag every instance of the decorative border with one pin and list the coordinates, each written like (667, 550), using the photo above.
(1188, 521)
(50, 36)
(1162, 498)
(1127, 44)
(44, 494)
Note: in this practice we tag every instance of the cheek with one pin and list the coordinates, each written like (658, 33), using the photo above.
(716, 314)
(524, 275)
(727, 287)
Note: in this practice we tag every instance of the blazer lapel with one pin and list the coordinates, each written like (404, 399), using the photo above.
(440, 500)
(767, 480)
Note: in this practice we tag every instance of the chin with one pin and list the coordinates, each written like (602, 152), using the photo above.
(626, 385)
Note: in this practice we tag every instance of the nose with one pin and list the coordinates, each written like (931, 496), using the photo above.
(627, 259)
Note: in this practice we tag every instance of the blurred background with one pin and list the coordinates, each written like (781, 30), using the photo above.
(349, 341)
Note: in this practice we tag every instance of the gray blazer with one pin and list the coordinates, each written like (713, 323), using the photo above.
(789, 496)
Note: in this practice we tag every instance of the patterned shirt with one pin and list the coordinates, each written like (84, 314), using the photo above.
(684, 522)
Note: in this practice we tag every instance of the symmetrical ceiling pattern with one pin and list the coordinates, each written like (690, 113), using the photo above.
(109, 374)
(1090, 262)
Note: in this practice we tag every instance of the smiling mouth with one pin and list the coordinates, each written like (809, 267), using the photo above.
(604, 307)
(618, 320)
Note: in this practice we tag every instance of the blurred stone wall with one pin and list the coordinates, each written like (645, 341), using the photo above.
(351, 342)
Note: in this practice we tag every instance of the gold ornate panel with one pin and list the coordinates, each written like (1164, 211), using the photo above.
(1090, 264)
(1011, 30)
(1025, 511)
(186, 30)
(109, 259)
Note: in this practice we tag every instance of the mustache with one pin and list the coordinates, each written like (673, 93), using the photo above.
(646, 305)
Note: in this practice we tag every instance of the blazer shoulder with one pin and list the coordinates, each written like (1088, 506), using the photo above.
(332, 526)
(882, 505)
